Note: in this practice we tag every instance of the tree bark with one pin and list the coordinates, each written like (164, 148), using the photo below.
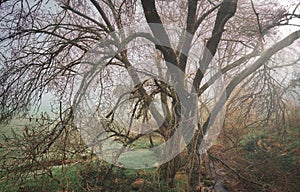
(225, 12)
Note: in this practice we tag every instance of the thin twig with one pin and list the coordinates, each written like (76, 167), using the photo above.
(235, 172)
(258, 23)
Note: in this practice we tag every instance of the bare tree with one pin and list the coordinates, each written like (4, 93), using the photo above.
(44, 46)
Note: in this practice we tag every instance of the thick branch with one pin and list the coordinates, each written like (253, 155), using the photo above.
(159, 31)
(226, 11)
(103, 15)
(262, 59)
(265, 56)
(199, 21)
(226, 69)
(192, 26)
(192, 7)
